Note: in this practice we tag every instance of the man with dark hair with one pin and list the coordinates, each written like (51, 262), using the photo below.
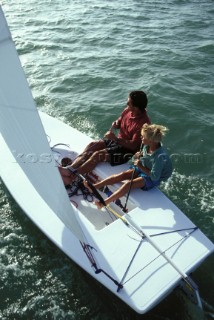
(114, 149)
(139, 99)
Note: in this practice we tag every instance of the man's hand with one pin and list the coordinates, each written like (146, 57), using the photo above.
(115, 125)
(110, 135)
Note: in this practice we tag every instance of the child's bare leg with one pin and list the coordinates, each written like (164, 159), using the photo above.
(114, 179)
(136, 183)
(98, 204)
(111, 180)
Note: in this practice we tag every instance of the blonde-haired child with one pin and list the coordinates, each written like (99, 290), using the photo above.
(151, 165)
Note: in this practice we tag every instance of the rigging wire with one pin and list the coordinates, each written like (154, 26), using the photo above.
(160, 254)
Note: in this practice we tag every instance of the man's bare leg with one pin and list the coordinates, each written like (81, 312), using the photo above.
(88, 152)
(67, 176)
(90, 164)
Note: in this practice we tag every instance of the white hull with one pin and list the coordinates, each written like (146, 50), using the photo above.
(150, 277)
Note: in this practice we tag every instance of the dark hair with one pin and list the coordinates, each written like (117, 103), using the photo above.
(139, 99)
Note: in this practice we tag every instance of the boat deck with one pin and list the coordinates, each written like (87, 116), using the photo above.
(84, 201)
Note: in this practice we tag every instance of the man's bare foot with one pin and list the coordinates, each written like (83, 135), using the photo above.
(85, 182)
(67, 176)
(98, 204)
(66, 162)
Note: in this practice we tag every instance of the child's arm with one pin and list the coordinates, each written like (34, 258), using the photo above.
(138, 163)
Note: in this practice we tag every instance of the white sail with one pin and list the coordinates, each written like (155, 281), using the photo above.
(23, 132)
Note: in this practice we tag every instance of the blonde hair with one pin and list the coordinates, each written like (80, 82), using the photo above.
(154, 132)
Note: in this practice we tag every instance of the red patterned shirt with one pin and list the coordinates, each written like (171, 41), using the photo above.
(130, 127)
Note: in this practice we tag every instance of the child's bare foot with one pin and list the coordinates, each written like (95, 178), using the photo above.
(98, 204)
(85, 182)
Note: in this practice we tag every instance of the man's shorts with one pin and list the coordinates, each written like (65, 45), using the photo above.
(118, 154)
(149, 183)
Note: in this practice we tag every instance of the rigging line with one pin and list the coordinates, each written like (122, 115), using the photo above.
(130, 263)
(185, 277)
(48, 138)
(87, 249)
(143, 237)
(172, 231)
(131, 182)
(132, 178)
(161, 253)
(118, 202)
(136, 228)
(61, 144)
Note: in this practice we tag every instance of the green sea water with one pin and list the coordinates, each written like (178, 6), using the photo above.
(81, 59)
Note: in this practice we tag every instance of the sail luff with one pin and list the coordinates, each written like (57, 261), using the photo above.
(22, 130)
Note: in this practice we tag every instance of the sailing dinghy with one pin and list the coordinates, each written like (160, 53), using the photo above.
(141, 255)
